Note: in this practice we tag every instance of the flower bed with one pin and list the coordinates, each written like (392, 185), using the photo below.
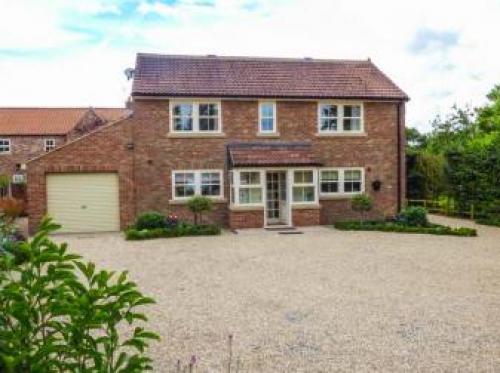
(403, 228)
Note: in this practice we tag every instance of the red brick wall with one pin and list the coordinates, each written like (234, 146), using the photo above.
(23, 148)
(147, 169)
(305, 217)
(246, 219)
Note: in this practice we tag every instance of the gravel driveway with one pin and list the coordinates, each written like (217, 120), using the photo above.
(324, 300)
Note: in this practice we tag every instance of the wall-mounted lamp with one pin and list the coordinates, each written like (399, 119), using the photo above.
(376, 185)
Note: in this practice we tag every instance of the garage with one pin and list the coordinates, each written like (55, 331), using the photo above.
(84, 202)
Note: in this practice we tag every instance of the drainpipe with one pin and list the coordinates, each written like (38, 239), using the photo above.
(400, 153)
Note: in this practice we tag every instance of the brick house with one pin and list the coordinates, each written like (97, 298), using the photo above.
(29, 132)
(273, 141)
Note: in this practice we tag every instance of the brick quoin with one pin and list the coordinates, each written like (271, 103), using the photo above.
(144, 154)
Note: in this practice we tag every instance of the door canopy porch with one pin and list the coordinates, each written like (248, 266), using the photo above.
(271, 154)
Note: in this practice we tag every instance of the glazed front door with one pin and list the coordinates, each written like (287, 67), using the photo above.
(276, 198)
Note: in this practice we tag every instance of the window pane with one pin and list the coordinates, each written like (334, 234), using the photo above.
(329, 187)
(267, 124)
(329, 175)
(183, 124)
(250, 178)
(328, 124)
(210, 190)
(302, 177)
(352, 186)
(352, 124)
(328, 110)
(267, 110)
(352, 111)
(352, 175)
(184, 178)
(208, 124)
(210, 178)
(184, 191)
(183, 109)
(250, 195)
(303, 194)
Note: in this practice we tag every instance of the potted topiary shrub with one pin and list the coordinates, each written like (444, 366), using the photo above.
(361, 203)
(198, 206)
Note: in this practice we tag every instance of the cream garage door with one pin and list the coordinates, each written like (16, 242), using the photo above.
(84, 202)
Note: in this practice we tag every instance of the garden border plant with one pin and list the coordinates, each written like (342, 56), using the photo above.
(410, 220)
(154, 225)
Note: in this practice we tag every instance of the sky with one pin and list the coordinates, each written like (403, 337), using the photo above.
(74, 52)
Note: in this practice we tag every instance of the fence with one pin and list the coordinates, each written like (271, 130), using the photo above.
(445, 207)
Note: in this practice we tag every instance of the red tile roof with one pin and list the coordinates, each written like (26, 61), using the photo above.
(171, 75)
(259, 154)
(49, 121)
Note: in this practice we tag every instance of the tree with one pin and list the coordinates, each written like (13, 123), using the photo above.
(361, 203)
(198, 206)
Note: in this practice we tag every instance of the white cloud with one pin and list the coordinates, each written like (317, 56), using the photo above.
(446, 70)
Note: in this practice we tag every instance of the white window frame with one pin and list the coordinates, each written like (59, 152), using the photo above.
(340, 117)
(313, 184)
(5, 148)
(196, 115)
(197, 183)
(235, 187)
(48, 147)
(341, 179)
(274, 117)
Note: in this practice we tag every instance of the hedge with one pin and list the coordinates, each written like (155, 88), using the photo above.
(183, 229)
(401, 228)
(489, 221)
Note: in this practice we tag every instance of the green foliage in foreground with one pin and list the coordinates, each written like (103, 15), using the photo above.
(401, 228)
(180, 230)
(59, 314)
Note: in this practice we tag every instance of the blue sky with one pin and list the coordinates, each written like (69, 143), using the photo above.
(73, 53)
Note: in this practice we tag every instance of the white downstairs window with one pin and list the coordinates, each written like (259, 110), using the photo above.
(338, 181)
(304, 186)
(247, 187)
(187, 184)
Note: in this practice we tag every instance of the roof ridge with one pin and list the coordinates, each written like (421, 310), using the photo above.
(252, 58)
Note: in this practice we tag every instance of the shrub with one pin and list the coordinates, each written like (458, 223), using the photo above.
(361, 203)
(414, 216)
(199, 205)
(12, 208)
(57, 313)
(402, 228)
(180, 230)
(150, 220)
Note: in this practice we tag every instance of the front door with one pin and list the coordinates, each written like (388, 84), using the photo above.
(276, 198)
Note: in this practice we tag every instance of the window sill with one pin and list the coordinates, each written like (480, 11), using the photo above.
(198, 135)
(268, 135)
(338, 196)
(246, 208)
(306, 206)
(185, 201)
(341, 134)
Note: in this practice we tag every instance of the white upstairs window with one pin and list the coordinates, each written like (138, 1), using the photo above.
(195, 117)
